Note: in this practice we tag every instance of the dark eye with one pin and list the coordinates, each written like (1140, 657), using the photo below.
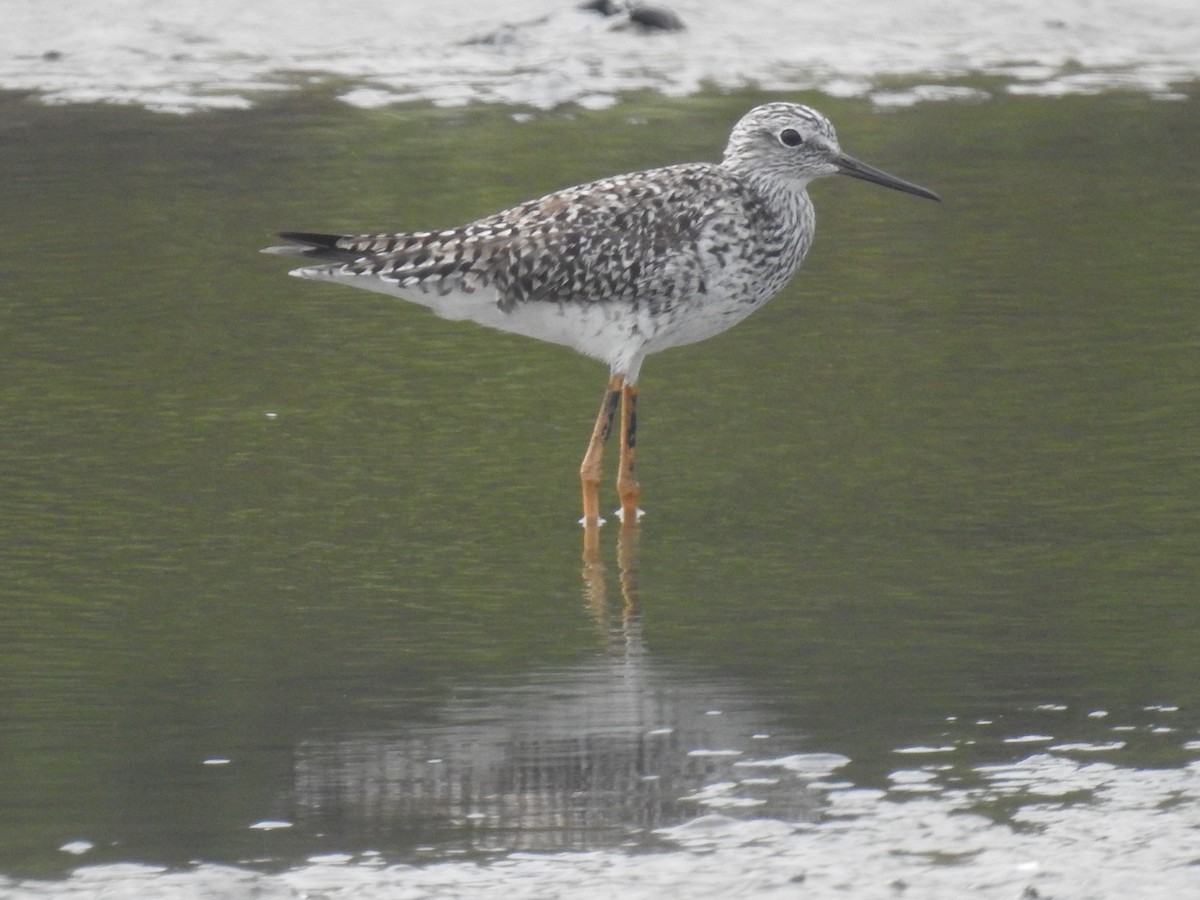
(791, 137)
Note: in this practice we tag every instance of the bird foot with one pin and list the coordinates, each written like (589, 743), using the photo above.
(599, 521)
(620, 514)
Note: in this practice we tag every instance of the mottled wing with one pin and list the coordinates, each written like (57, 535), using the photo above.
(634, 238)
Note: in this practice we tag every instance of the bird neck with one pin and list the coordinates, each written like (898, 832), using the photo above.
(787, 197)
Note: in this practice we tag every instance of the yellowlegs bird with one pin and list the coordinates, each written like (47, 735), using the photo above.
(622, 267)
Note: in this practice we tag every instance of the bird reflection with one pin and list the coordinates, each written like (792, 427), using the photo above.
(600, 753)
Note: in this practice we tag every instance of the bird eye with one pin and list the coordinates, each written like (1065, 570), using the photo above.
(790, 137)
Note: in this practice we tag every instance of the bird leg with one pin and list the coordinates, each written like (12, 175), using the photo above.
(589, 470)
(628, 488)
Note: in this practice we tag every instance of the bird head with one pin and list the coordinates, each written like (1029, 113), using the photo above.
(797, 144)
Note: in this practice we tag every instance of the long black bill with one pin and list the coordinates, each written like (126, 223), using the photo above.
(848, 165)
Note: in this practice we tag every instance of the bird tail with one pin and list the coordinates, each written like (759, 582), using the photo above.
(325, 247)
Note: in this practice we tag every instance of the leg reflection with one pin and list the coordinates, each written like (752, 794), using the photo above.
(620, 630)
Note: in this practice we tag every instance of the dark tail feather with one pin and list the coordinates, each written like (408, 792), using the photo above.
(314, 246)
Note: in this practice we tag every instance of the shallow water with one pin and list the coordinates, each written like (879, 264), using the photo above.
(293, 599)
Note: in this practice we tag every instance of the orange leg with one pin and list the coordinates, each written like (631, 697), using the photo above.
(589, 471)
(628, 488)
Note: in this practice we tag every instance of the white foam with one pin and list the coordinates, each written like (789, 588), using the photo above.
(177, 56)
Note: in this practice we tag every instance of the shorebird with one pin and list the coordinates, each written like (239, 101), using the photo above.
(621, 267)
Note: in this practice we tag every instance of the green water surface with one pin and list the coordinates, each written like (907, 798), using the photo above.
(952, 471)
